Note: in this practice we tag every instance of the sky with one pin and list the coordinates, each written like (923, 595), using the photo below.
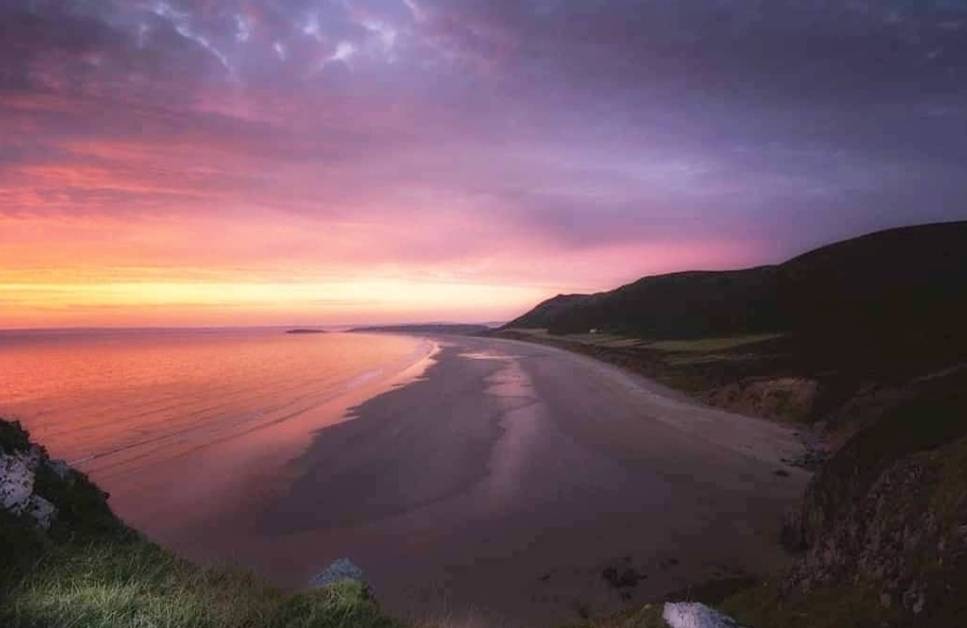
(253, 162)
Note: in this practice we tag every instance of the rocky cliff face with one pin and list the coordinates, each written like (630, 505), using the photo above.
(906, 538)
(785, 398)
(18, 483)
(888, 513)
(43, 500)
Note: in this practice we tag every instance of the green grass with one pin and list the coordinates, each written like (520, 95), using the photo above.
(619, 341)
(139, 584)
(120, 579)
(129, 581)
(614, 341)
(853, 606)
(761, 606)
(647, 616)
(91, 571)
(703, 345)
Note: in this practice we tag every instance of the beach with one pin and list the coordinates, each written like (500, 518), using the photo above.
(518, 483)
(511, 476)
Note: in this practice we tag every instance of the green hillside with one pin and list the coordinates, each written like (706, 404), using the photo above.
(907, 284)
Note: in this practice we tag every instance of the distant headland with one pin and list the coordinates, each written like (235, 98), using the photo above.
(460, 329)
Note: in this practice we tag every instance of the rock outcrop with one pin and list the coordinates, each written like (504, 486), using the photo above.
(18, 469)
(695, 615)
(906, 537)
(888, 513)
(786, 398)
(338, 571)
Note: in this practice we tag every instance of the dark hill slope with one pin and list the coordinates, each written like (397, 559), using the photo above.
(897, 296)
(679, 305)
(552, 312)
(912, 277)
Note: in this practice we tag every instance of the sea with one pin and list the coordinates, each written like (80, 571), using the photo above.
(189, 429)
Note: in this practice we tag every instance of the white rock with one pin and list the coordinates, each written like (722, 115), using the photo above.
(342, 569)
(16, 483)
(694, 615)
(17, 488)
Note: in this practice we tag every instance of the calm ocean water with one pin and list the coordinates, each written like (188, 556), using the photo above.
(187, 428)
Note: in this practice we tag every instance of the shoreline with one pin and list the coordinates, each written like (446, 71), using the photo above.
(496, 481)
(506, 480)
(816, 444)
(193, 488)
(449, 491)
(724, 417)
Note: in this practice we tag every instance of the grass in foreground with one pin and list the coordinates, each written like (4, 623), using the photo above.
(761, 606)
(853, 606)
(91, 571)
(647, 616)
(136, 583)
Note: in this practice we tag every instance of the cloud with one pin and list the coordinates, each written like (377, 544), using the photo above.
(556, 143)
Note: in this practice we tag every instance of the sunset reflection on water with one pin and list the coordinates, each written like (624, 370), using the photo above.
(181, 426)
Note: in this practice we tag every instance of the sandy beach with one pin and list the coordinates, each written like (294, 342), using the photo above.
(465, 475)
(510, 476)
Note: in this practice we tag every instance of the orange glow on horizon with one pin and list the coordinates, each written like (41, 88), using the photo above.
(180, 163)
(190, 303)
(269, 268)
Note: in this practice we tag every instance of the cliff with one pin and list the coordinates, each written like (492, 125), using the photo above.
(888, 511)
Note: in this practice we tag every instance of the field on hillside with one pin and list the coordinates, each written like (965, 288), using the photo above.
(753, 373)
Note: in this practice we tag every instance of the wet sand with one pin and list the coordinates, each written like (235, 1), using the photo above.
(504, 481)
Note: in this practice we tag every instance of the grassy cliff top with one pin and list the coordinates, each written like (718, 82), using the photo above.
(91, 570)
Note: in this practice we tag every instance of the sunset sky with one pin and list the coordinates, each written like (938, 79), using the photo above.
(204, 162)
